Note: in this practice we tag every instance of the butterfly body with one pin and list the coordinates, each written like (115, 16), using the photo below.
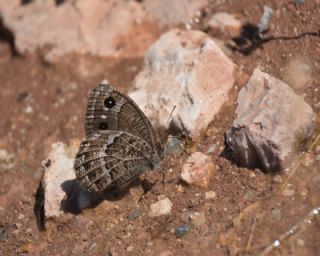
(121, 142)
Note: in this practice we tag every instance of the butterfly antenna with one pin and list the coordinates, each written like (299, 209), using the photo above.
(167, 123)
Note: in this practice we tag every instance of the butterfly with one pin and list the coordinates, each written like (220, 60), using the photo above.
(121, 143)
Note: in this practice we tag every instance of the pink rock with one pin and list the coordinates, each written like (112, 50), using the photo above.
(103, 28)
(198, 170)
(188, 70)
(271, 122)
(226, 23)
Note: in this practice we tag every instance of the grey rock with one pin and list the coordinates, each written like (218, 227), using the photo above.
(174, 146)
(263, 25)
(182, 230)
(271, 121)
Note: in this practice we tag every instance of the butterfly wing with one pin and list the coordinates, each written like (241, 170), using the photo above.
(111, 159)
(109, 109)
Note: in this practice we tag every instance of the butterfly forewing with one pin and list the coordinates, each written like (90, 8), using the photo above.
(109, 109)
(111, 159)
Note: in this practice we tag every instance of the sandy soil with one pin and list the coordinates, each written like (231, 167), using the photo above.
(43, 103)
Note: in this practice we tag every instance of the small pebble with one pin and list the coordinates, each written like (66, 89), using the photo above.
(20, 216)
(277, 179)
(308, 159)
(134, 214)
(212, 148)
(130, 248)
(182, 230)
(210, 195)
(162, 207)
(288, 192)
(276, 214)
(300, 242)
(180, 188)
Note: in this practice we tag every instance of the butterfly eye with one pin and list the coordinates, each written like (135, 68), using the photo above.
(103, 126)
(109, 102)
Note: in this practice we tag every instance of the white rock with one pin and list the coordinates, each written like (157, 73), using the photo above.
(271, 121)
(162, 207)
(225, 22)
(198, 170)
(188, 70)
(7, 160)
(172, 13)
(59, 179)
(98, 27)
(210, 195)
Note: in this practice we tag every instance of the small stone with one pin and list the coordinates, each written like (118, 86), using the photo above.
(92, 246)
(3, 234)
(130, 248)
(212, 148)
(6, 160)
(194, 218)
(182, 230)
(162, 207)
(134, 214)
(210, 195)
(20, 216)
(18, 225)
(300, 242)
(277, 179)
(276, 214)
(318, 149)
(288, 192)
(174, 146)
(265, 19)
(150, 244)
(198, 170)
(317, 158)
(309, 159)
(180, 188)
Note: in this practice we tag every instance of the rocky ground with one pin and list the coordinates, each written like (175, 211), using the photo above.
(48, 65)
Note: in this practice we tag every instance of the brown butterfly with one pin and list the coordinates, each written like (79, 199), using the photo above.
(121, 142)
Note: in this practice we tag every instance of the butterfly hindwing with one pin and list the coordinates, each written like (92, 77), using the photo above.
(111, 159)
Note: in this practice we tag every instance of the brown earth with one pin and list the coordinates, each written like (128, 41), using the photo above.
(43, 103)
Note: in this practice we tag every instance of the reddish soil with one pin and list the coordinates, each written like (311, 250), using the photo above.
(43, 103)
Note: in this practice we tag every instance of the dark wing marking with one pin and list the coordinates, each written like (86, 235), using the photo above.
(111, 159)
(108, 109)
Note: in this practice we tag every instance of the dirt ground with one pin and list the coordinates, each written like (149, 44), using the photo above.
(43, 103)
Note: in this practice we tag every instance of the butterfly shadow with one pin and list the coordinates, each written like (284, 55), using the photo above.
(78, 199)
